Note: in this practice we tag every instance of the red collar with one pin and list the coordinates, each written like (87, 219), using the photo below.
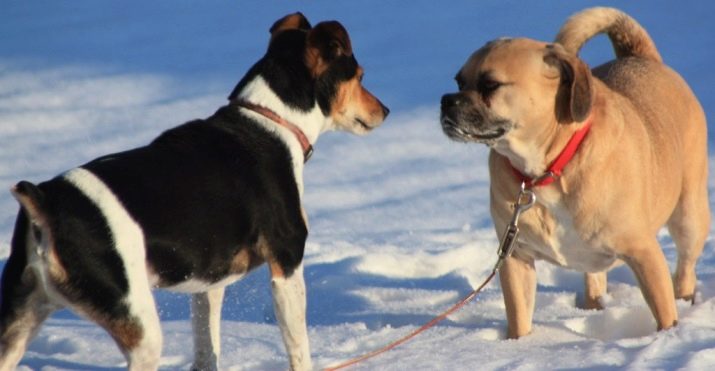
(304, 142)
(554, 171)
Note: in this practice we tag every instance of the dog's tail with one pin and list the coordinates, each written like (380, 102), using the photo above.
(629, 38)
(33, 217)
(27, 249)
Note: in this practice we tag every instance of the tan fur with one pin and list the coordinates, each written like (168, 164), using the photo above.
(244, 261)
(627, 36)
(353, 100)
(595, 289)
(642, 165)
(127, 334)
(354, 108)
(56, 271)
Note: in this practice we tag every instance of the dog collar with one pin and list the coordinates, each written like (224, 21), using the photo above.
(554, 171)
(302, 139)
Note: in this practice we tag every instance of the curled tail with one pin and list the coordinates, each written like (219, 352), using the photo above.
(629, 38)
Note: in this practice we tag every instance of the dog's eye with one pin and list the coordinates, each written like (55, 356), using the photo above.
(487, 86)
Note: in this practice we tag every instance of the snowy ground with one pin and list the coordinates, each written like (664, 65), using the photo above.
(400, 228)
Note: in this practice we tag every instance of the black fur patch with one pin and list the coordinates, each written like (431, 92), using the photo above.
(341, 70)
(84, 246)
(12, 288)
(205, 190)
(283, 67)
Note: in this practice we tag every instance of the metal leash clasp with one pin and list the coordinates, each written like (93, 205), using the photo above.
(524, 201)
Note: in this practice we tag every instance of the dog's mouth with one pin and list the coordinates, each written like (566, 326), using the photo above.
(363, 124)
(458, 132)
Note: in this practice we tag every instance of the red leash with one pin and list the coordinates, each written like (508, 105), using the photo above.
(524, 201)
(424, 327)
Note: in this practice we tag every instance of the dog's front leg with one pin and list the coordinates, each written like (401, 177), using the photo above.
(206, 323)
(289, 304)
(595, 288)
(518, 283)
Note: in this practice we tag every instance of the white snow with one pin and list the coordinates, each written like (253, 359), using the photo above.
(400, 228)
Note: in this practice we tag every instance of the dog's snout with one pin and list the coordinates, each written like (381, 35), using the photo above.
(452, 100)
(385, 110)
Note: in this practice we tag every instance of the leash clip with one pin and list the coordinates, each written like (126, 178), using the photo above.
(524, 201)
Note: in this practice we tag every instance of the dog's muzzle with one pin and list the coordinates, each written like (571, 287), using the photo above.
(462, 121)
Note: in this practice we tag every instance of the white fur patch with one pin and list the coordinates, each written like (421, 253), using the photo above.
(289, 303)
(527, 157)
(128, 236)
(564, 246)
(193, 285)
(128, 240)
(312, 122)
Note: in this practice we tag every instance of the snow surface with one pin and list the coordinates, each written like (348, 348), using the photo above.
(400, 228)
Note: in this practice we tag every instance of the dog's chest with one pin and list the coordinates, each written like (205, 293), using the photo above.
(550, 232)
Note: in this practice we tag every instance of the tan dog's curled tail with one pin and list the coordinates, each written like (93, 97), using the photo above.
(628, 37)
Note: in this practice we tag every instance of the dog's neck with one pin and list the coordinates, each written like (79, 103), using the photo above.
(304, 142)
(532, 158)
(312, 123)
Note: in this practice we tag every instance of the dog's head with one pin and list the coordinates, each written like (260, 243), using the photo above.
(307, 65)
(516, 90)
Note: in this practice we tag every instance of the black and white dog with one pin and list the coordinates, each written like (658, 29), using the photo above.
(193, 211)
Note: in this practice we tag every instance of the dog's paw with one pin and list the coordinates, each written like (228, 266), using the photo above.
(587, 303)
(688, 298)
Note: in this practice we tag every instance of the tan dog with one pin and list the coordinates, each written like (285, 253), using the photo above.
(642, 164)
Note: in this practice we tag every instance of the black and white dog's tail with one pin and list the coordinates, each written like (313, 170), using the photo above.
(34, 243)
(23, 297)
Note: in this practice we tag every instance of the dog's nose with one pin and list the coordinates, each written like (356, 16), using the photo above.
(452, 100)
(385, 110)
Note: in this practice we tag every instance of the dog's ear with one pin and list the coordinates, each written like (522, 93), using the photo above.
(326, 42)
(295, 21)
(575, 95)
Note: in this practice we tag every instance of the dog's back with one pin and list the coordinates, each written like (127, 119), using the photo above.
(673, 119)
(639, 74)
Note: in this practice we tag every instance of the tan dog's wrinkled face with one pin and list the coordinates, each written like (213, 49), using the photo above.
(516, 90)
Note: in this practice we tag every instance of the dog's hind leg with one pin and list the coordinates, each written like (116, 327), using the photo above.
(648, 263)
(129, 315)
(24, 308)
(206, 322)
(114, 291)
(136, 332)
(24, 300)
(289, 304)
(689, 226)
